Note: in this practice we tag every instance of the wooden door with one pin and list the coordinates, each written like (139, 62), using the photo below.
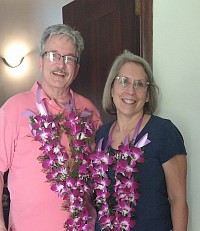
(108, 27)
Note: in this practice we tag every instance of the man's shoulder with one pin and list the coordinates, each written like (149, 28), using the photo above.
(81, 98)
(18, 100)
(22, 97)
(82, 102)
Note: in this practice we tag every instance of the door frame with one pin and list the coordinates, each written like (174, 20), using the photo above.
(146, 24)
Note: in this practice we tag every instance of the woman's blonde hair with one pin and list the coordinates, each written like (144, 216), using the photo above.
(126, 57)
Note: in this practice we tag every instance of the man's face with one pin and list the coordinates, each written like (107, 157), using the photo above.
(58, 72)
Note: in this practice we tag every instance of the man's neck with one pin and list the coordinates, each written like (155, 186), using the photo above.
(60, 96)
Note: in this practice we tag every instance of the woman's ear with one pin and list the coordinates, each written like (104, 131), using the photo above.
(147, 97)
(111, 92)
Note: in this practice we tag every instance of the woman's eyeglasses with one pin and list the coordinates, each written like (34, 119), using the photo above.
(126, 82)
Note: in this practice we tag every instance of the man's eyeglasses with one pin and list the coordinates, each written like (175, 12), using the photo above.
(126, 82)
(55, 57)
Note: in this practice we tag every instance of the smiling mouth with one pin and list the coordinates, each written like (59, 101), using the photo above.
(59, 73)
(129, 101)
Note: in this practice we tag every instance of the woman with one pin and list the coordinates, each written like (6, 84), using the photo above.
(160, 195)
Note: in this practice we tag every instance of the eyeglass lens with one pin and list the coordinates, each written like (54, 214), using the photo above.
(54, 57)
(125, 82)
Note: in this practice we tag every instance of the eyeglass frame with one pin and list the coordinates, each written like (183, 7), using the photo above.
(50, 54)
(133, 82)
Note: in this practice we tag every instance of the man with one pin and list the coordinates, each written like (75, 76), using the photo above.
(34, 207)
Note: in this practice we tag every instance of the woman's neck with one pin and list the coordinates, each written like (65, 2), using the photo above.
(124, 128)
(126, 123)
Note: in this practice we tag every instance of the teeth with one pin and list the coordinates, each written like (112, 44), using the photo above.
(129, 101)
(58, 73)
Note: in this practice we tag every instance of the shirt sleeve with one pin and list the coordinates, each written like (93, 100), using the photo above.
(6, 140)
(172, 142)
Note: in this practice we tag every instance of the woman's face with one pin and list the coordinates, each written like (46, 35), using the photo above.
(130, 90)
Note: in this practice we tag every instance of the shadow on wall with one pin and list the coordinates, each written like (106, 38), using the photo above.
(6, 200)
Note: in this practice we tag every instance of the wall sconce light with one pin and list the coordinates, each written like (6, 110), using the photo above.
(12, 62)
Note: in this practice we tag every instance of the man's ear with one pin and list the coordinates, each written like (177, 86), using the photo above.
(76, 70)
(40, 62)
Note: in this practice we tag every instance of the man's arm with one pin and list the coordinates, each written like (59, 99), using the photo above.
(2, 224)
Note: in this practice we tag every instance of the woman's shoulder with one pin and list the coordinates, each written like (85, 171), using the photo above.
(162, 126)
(160, 121)
(103, 131)
(104, 128)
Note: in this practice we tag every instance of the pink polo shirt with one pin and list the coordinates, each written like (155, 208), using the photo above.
(34, 207)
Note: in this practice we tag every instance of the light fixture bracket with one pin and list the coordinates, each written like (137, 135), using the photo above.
(9, 65)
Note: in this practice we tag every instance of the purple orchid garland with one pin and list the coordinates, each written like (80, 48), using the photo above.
(120, 215)
(68, 174)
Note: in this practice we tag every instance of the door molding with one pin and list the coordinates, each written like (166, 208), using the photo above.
(147, 31)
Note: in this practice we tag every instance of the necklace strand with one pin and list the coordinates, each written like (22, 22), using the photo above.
(117, 205)
(67, 173)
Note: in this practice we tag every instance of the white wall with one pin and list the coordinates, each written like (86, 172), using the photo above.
(22, 23)
(176, 64)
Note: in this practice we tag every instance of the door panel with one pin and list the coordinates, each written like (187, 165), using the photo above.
(108, 27)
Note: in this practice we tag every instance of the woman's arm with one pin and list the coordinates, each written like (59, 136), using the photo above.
(175, 173)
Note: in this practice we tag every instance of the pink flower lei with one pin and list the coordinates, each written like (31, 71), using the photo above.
(68, 174)
(117, 205)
